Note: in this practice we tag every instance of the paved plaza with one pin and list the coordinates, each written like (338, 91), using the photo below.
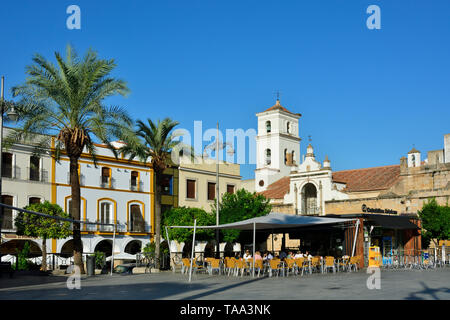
(398, 284)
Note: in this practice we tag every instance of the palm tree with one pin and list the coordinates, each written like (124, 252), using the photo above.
(66, 100)
(155, 142)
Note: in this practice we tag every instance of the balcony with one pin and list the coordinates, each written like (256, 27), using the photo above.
(37, 175)
(107, 182)
(134, 186)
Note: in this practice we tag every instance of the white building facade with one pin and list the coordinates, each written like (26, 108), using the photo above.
(277, 145)
(115, 191)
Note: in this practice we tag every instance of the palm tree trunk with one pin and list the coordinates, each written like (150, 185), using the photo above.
(157, 221)
(157, 236)
(44, 255)
(75, 214)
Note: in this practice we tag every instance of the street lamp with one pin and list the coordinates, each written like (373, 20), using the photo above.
(12, 115)
(217, 147)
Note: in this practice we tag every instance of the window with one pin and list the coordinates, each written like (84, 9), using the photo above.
(211, 190)
(34, 168)
(261, 183)
(288, 127)
(106, 177)
(230, 188)
(293, 157)
(268, 127)
(34, 200)
(7, 165)
(134, 182)
(268, 156)
(7, 222)
(106, 215)
(166, 184)
(136, 223)
(190, 189)
(285, 156)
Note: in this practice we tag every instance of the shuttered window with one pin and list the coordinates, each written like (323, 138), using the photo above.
(190, 189)
(211, 190)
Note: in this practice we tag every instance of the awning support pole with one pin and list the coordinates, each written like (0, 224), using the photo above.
(193, 247)
(254, 231)
(170, 251)
(356, 234)
(114, 242)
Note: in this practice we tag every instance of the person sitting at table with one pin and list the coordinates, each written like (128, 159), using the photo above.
(308, 255)
(258, 255)
(267, 256)
(290, 255)
(298, 255)
(237, 256)
(247, 255)
(283, 255)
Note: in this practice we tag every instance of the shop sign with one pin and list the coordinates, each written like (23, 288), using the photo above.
(365, 208)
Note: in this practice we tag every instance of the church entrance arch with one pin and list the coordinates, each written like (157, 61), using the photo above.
(309, 199)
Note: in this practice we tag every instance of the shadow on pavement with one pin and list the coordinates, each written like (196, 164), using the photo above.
(29, 280)
(110, 291)
(429, 293)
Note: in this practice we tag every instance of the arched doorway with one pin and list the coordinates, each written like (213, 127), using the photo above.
(104, 246)
(11, 247)
(133, 247)
(187, 250)
(309, 199)
(67, 249)
(228, 250)
(210, 250)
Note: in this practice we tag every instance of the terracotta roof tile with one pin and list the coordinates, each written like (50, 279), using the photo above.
(368, 179)
(278, 189)
(278, 106)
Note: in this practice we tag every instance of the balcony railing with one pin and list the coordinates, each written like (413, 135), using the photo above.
(134, 186)
(107, 182)
(37, 175)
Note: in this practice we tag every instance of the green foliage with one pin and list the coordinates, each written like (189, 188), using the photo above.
(66, 99)
(23, 263)
(240, 206)
(32, 225)
(149, 250)
(99, 259)
(435, 221)
(184, 216)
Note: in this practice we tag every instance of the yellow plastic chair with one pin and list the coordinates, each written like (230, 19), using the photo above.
(274, 266)
(301, 263)
(329, 263)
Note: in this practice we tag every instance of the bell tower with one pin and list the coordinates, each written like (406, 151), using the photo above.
(277, 145)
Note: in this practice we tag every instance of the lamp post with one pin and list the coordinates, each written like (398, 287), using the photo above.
(218, 146)
(12, 114)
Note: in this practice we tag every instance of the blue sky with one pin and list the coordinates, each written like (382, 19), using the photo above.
(366, 96)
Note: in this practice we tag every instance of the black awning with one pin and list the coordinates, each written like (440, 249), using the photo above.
(391, 222)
